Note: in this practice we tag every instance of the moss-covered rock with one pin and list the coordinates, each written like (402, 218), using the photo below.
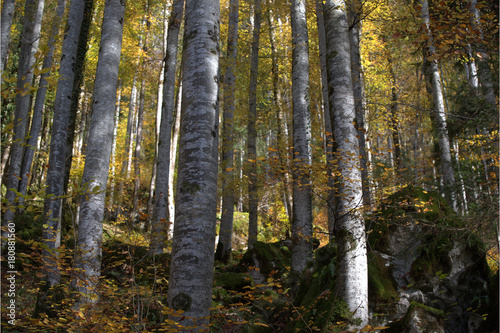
(233, 281)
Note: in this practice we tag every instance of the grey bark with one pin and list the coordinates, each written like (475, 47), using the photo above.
(161, 218)
(253, 199)
(113, 151)
(355, 13)
(439, 114)
(95, 174)
(302, 210)
(483, 69)
(192, 259)
(173, 158)
(137, 151)
(29, 44)
(329, 143)
(5, 25)
(36, 120)
(58, 144)
(226, 226)
(352, 268)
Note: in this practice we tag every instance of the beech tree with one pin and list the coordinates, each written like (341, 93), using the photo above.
(226, 228)
(8, 7)
(352, 267)
(161, 216)
(192, 259)
(29, 44)
(253, 199)
(302, 213)
(95, 174)
(431, 71)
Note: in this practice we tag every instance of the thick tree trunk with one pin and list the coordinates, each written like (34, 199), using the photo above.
(29, 44)
(89, 241)
(439, 114)
(352, 268)
(329, 142)
(8, 8)
(61, 122)
(192, 260)
(161, 216)
(253, 199)
(302, 210)
(36, 120)
(226, 226)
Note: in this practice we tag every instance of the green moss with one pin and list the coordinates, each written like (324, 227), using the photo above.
(182, 301)
(433, 311)
(381, 286)
(271, 256)
(233, 281)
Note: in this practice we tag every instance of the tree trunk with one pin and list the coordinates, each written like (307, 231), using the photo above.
(192, 259)
(329, 143)
(439, 115)
(161, 218)
(173, 158)
(302, 213)
(113, 152)
(355, 14)
(29, 44)
(137, 153)
(36, 121)
(352, 268)
(6, 23)
(253, 199)
(95, 174)
(226, 226)
(396, 146)
(483, 69)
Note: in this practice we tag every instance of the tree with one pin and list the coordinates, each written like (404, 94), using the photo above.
(253, 199)
(6, 23)
(352, 276)
(95, 174)
(226, 226)
(192, 259)
(36, 121)
(302, 210)
(431, 71)
(29, 44)
(57, 155)
(161, 216)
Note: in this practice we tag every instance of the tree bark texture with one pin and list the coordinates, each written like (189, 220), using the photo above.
(439, 113)
(352, 268)
(228, 187)
(5, 25)
(355, 13)
(36, 120)
(29, 44)
(329, 144)
(253, 198)
(95, 174)
(192, 259)
(302, 210)
(161, 216)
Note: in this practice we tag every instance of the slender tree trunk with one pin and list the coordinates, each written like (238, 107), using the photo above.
(173, 159)
(281, 145)
(8, 8)
(137, 152)
(253, 199)
(396, 146)
(302, 210)
(226, 227)
(329, 143)
(161, 218)
(192, 260)
(113, 151)
(29, 44)
(89, 241)
(36, 121)
(352, 268)
(355, 13)
(439, 115)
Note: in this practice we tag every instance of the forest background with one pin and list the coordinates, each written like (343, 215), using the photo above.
(400, 140)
